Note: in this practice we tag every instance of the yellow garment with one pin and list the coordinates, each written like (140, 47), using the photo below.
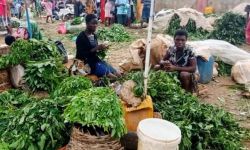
(208, 10)
(139, 8)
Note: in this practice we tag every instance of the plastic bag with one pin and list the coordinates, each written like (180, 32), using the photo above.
(62, 29)
(16, 76)
(241, 72)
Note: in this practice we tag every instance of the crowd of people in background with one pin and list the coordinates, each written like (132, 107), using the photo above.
(116, 11)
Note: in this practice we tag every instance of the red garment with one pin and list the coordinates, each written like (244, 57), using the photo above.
(3, 8)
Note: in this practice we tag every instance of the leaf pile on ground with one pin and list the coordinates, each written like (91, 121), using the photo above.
(41, 60)
(230, 27)
(29, 123)
(70, 86)
(117, 33)
(203, 126)
(97, 107)
(194, 32)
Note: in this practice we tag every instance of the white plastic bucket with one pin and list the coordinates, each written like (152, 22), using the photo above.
(158, 134)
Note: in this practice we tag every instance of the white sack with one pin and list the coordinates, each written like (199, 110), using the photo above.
(241, 72)
(16, 75)
(162, 18)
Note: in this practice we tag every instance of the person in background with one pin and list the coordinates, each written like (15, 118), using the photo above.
(90, 7)
(48, 8)
(122, 11)
(130, 12)
(145, 11)
(78, 8)
(109, 8)
(87, 48)
(9, 39)
(181, 58)
(5, 15)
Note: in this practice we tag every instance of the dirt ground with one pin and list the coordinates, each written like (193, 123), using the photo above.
(217, 92)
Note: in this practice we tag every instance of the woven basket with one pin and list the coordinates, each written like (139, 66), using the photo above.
(85, 141)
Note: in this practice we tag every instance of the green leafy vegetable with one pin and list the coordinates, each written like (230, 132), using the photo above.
(230, 27)
(44, 75)
(194, 32)
(116, 33)
(203, 126)
(72, 85)
(97, 107)
(76, 21)
(224, 69)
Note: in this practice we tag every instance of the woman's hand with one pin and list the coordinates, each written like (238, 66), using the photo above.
(101, 47)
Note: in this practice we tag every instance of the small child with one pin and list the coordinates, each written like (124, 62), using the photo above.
(109, 8)
(48, 8)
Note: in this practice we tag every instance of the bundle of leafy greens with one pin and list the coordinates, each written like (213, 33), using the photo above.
(97, 107)
(194, 32)
(76, 21)
(29, 123)
(44, 75)
(224, 69)
(72, 85)
(203, 126)
(230, 27)
(117, 33)
(23, 51)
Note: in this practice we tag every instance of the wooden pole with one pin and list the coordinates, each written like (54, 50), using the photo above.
(147, 67)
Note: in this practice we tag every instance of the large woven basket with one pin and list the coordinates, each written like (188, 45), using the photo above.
(85, 141)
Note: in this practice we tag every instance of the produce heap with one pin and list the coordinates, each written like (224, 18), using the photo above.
(229, 27)
(38, 124)
(41, 60)
(194, 32)
(116, 33)
(203, 126)
(77, 21)
(97, 107)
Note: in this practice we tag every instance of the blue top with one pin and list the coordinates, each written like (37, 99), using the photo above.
(122, 10)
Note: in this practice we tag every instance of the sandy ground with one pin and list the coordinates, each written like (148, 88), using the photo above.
(217, 93)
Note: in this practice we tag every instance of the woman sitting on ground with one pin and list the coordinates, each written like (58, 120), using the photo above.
(87, 48)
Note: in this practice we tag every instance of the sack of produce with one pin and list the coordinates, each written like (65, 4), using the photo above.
(16, 76)
(241, 72)
(127, 95)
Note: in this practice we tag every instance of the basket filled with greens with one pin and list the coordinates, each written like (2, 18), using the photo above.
(97, 116)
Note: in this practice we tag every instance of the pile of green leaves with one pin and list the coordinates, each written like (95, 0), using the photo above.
(72, 85)
(29, 123)
(14, 24)
(23, 51)
(194, 32)
(117, 33)
(97, 107)
(76, 21)
(230, 27)
(224, 69)
(42, 50)
(44, 75)
(203, 126)
(19, 54)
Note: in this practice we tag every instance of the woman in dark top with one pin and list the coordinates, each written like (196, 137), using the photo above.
(87, 47)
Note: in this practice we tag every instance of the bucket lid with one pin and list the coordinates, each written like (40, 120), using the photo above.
(159, 129)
